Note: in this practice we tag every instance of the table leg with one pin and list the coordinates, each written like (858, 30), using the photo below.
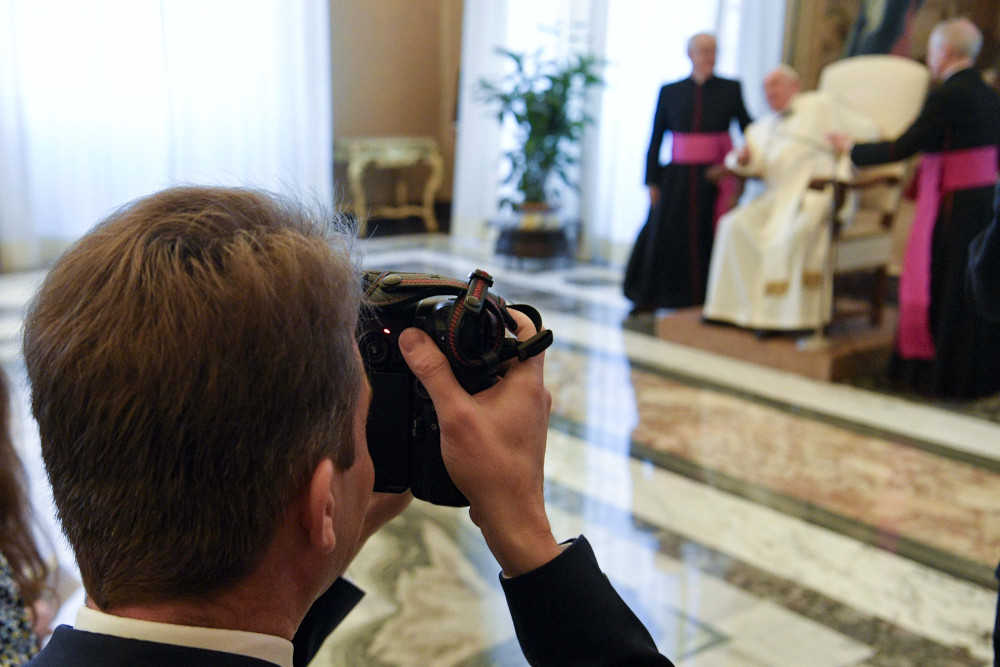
(359, 205)
(436, 164)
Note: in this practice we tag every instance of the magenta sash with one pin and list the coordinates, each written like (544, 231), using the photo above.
(939, 173)
(697, 148)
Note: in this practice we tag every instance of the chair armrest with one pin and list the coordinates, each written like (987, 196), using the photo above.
(822, 183)
(717, 172)
(861, 182)
(868, 180)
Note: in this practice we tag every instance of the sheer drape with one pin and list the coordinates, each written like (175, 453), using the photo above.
(107, 100)
(524, 26)
(645, 48)
(751, 37)
(644, 42)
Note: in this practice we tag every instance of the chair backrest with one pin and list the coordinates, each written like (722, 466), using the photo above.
(888, 89)
(891, 91)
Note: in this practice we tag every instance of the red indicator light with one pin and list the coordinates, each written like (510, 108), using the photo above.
(386, 331)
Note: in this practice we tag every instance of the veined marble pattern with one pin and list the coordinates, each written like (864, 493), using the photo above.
(898, 490)
(749, 517)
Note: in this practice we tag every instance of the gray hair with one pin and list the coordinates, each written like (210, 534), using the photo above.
(961, 35)
(696, 36)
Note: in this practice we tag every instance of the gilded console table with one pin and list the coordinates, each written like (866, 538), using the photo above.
(394, 153)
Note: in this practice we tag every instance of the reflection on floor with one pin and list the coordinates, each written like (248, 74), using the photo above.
(749, 516)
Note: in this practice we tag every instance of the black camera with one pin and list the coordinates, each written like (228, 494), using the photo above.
(470, 326)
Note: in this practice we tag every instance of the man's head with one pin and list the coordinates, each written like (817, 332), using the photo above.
(701, 50)
(953, 43)
(191, 360)
(781, 86)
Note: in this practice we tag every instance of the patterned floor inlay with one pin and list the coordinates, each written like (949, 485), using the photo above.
(882, 488)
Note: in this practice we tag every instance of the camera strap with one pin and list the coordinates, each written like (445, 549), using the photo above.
(389, 288)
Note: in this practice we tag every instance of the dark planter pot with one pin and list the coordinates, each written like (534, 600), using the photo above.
(533, 243)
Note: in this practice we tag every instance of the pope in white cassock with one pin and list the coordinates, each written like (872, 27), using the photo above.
(768, 261)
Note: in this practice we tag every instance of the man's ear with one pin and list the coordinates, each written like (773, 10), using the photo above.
(319, 506)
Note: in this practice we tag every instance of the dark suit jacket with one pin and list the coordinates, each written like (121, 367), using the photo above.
(73, 647)
(565, 613)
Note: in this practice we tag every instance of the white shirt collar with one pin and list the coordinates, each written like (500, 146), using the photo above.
(270, 648)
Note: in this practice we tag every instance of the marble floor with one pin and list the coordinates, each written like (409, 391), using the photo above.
(750, 517)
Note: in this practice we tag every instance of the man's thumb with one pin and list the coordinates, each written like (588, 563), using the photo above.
(427, 362)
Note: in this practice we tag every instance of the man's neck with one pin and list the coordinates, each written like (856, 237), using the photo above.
(202, 615)
(272, 600)
(699, 78)
(246, 607)
(957, 66)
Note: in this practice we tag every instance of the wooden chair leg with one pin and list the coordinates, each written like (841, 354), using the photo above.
(879, 288)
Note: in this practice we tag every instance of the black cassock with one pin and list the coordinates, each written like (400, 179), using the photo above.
(961, 113)
(984, 270)
(669, 263)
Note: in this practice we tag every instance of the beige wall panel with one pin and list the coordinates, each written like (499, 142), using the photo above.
(395, 71)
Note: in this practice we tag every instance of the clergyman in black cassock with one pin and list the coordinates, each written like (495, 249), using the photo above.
(958, 131)
(668, 267)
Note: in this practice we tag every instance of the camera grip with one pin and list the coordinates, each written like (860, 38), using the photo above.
(430, 480)
(389, 435)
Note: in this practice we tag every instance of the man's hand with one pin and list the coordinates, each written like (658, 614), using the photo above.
(493, 445)
(842, 143)
(743, 156)
(654, 196)
(717, 172)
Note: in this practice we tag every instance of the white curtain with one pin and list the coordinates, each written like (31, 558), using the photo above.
(646, 48)
(106, 100)
(751, 36)
(477, 133)
(552, 27)
(645, 44)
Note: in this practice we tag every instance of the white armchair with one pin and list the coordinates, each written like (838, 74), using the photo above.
(891, 91)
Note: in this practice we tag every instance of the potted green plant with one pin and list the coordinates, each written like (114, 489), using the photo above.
(544, 96)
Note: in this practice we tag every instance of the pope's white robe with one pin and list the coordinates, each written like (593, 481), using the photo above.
(768, 261)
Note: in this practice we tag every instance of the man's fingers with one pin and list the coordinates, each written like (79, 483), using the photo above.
(525, 327)
(428, 363)
(532, 365)
(431, 367)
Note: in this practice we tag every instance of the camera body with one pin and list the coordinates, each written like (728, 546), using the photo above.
(469, 326)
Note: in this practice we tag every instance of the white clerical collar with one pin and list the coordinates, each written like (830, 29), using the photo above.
(251, 644)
